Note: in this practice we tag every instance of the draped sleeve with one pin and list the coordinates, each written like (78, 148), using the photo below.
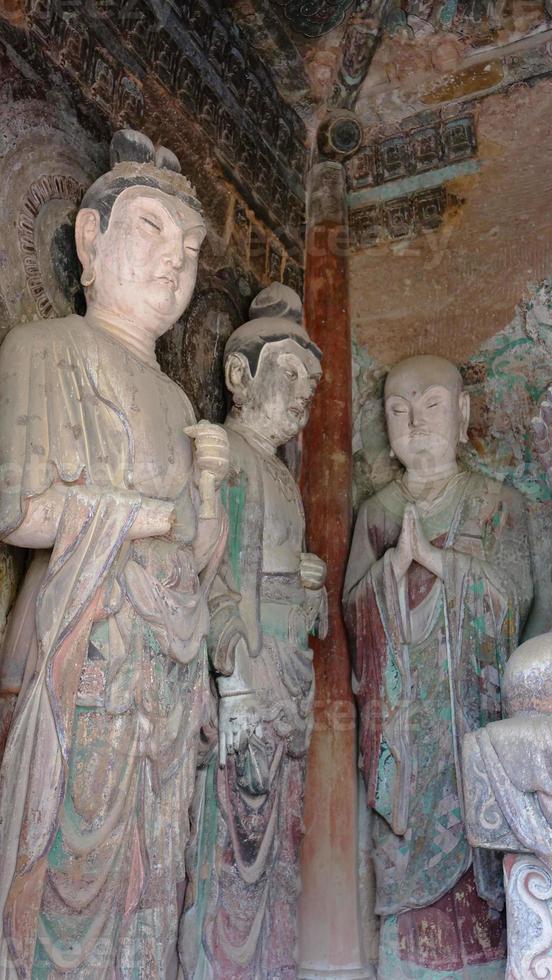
(373, 620)
(508, 766)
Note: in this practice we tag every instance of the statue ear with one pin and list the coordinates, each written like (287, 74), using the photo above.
(464, 402)
(238, 378)
(87, 229)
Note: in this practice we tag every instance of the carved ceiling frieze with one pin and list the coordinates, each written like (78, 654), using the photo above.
(425, 147)
(397, 185)
(110, 49)
(404, 217)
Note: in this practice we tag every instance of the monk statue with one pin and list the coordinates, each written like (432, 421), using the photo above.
(267, 598)
(107, 642)
(438, 587)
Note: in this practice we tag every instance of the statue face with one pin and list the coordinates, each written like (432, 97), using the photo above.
(278, 399)
(145, 263)
(427, 413)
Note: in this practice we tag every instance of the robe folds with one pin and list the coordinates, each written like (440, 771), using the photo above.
(428, 658)
(99, 765)
(249, 826)
(509, 764)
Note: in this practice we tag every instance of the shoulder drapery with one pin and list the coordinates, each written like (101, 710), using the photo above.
(60, 428)
(63, 422)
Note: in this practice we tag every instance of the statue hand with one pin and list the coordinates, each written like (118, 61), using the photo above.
(402, 554)
(155, 518)
(238, 721)
(424, 552)
(312, 571)
(211, 451)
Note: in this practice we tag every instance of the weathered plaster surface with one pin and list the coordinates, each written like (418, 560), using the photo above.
(415, 71)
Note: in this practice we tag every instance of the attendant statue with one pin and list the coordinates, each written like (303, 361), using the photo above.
(268, 596)
(107, 643)
(508, 779)
(437, 589)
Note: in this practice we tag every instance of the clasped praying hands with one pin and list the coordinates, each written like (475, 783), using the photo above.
(413, 545)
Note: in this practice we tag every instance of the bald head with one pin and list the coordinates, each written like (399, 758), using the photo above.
(427, 414)
(413, 375)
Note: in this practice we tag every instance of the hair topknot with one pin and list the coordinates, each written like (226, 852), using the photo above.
(135, 161)
(276, 314)
(277, 300)
(132, 146)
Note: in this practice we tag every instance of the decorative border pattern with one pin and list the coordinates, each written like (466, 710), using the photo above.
(428, 147)
(404, 217)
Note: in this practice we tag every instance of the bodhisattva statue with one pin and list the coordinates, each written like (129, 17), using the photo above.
(437, 589)
(267, 598)
(107, 642)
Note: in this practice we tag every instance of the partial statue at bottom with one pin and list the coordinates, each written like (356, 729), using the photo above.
(508, 779)
(269, 594)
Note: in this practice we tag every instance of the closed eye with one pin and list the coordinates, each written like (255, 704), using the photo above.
(152, 224)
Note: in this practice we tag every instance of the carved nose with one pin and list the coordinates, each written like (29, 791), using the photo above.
(175, 259)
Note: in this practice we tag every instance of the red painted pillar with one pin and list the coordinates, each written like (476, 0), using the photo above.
(329, 941)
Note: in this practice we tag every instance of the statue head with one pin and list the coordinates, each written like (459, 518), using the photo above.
(427, 413)
(138, 234)
(272, 367)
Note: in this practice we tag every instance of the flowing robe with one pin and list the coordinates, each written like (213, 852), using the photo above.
(107, 647)
(427, 658)
(249, 825)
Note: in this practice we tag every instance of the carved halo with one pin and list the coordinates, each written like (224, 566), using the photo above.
(50, 205)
